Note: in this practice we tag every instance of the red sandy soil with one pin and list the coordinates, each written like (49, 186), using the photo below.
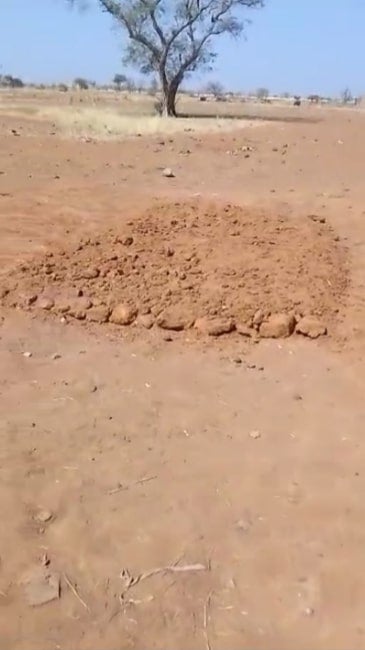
(121, 450)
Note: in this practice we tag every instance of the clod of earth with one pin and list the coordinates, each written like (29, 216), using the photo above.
(90, 273)
(78, 307)
(215, 326)
(146, 321)
(277, 326)
(316, 218)
(98, 314)
(175, 320)
(123, 314)
(46, 303)
(311, 327)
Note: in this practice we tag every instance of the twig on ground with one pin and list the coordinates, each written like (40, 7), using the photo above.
(205, 621)
(75, 592)
(120, 487)
(132, 581)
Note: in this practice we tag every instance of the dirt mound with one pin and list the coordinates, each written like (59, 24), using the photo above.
(180, 263)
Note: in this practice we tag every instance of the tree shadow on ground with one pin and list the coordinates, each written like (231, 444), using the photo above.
(295, 119)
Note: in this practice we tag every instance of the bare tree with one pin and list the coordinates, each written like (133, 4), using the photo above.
(81, 83)
(172, 38)
(262, 93)
(120, 80)
(215, 88)
(346, 96)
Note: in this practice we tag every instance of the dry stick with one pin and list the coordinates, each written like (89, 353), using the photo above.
(75, 592)
(131, 581)
(205, 621)
(126, 487)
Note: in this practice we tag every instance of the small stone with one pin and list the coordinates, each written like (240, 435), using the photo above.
(237, 361)
(98, 314)
(168, 173)
(311, 327)
(255, 435)
(30, 300)
(278, 326)
(3, 293)
(46, 303)
(215, 326)
(41, 586)
(316, 218)
(56, 356)
(90, 273)
(43, 516)
(169, 251)
(243, 525)
(27, 355)
(146, 320)
(123, 314)
(127, 241)
(309, 611)
(175, 320)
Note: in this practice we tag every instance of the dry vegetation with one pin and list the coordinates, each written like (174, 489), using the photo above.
(103, 114)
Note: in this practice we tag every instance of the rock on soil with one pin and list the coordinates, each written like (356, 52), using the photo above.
(215, 326)
(311, 327)
(175, 320)
(168, 173)
(123, 314)
(277, 326)
(45, 303)
(98, 314)
(146, 321)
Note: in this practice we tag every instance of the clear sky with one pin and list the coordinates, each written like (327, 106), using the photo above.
(299, 46)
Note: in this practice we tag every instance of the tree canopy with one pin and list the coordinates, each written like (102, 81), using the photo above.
(172, 38)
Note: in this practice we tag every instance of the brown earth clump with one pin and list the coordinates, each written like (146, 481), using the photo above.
(180, 263)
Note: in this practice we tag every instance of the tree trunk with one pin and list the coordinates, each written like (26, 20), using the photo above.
(169, 100)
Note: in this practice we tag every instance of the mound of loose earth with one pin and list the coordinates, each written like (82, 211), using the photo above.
(222, 269)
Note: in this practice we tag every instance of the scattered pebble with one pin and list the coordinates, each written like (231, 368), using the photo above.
(43, 516)
(168, 173)
(255, 435)
(309, 611)
(27, 355)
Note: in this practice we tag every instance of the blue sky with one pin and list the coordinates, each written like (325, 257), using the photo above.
(299, 46)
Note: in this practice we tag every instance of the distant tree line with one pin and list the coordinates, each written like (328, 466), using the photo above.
(8, 81)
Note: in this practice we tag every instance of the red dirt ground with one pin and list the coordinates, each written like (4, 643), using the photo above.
(244, 458)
